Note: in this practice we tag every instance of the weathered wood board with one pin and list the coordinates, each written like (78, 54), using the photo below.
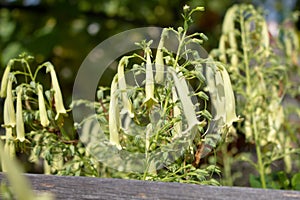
(70, 187)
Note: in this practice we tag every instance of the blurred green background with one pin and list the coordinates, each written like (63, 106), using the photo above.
(65, 31)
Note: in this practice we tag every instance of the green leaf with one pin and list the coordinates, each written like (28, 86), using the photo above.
(254, 181)
(296, 181)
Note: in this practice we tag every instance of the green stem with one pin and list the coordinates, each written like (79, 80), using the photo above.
(181, 41)
(227, 166)
(28, 68)
(146, 171)
(260, 166)
(36, 71)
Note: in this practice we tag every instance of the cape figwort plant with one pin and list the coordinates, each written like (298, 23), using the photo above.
(158, 108)
(259, 78)
(26, 113)
(34, 121)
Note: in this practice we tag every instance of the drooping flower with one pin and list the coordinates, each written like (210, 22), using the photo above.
(114, 115)
(9, 114)
(9, 122)
(159, 60)
(5, 79)
(8, 129)
(20, 123)
(9, 146)
(228, 28)
(123, 88)
(176, 112)
(222, 47)
(186, 102)
(265, 38)
(59, 105)
(42, 108)
(229, 98)
(149, 88)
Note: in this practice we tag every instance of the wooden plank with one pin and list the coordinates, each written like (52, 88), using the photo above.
(70, 187)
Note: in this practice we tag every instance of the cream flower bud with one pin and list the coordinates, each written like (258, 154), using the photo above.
(186, 8)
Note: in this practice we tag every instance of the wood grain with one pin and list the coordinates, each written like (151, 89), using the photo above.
(70, 187)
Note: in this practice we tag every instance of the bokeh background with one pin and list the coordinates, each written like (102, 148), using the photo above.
(65, 31)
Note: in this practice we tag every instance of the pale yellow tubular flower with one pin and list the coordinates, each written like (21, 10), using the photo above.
(9, 104)
(114, 115)
(123, 88)
(5, 78)
(59, 105)
(10, 151)
(222, 48)
(20, 123)
(215, 86)
(159, 59)
(228, 24)
(229, 98)
(287, 157)
(42, 107)
(149, 88)
(47, 168)
(6, 120)
(228, 29)
(58, 161)
(176, 113)
(9, 146)
(265, 40)
(248, 130)
(275, 117)
(234, 60)
(186, 102)
(233, 46)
